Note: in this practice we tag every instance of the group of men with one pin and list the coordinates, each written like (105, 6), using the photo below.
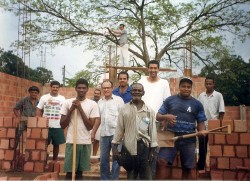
(126, 117)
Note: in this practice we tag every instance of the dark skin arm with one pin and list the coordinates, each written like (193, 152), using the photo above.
(65, 119)
(97, 123)
(221, 116)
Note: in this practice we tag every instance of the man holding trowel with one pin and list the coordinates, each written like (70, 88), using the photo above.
(182, 112)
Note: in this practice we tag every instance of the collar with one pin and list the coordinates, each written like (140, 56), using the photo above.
(144, 107)
(112, 97)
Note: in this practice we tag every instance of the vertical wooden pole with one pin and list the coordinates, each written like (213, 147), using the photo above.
(74, 146)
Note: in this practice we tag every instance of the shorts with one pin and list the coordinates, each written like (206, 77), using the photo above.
(82, 157)
(187, 153)
(56, 136)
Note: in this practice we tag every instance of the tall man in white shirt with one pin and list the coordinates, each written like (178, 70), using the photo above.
(156, 91)
(49, 107)
(109, 107)
(214, 107)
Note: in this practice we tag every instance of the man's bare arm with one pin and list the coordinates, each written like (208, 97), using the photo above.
(39, 112)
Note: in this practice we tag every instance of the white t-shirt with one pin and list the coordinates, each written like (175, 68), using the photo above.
(91, 110)
(213, 105)
(155, 93)
(51, 108)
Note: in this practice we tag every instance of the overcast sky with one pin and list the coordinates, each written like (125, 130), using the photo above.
(72, 57)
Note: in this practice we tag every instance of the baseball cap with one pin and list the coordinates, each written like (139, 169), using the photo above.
(34, 88)
(186, 79)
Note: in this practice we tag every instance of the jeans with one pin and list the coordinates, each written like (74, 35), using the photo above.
(105, 147)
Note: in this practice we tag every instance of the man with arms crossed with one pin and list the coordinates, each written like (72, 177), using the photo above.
(214, 107)
(49, 107)
(87, 113)
(181, 112)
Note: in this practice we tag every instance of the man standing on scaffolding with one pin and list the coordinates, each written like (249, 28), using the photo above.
(123, 42)
(25, 108)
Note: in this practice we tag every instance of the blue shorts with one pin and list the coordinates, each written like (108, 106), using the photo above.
(187, 153)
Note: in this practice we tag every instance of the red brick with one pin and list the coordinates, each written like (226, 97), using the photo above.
(3, 132)
(30, 144)
(228, 151)
(62, 167)
(57, 167)
(44, 134)
(9, 155)
(12, 143)
(240, 126)
(241, 151)
(215, 150)
(213, 124)
(4, 144)
(227, 122)
(243, 176)
(176, 173)
(1, 154)
(32, 122)
(16, 121)
(28, 132)
(210, 139)
(245, 138)
(43, 155)
(41, 144)
(11, 133)
(42, 122)
(36, 133)
(219, 139)
(213, 164)
(51, 166)
(234, 162)
(6, 165)
(246, 162)
(216, 174)
(229, 175)
(232, 138)
(7, 122)
(39, 167)
(27, 156)
(35, 155)
(15, 178)
(29, 166)
(223, 163)
(1, 122)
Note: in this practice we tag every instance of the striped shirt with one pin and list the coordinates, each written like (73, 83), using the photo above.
(131, 125)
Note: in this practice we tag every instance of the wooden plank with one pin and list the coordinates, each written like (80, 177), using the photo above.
(139, 68)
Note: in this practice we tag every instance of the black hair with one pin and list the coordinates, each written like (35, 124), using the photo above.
(82, 81)
(122, 25)
(154, 62)
(137, 83)
(54, 82)
(210, 77)
(108, 81)
(33, 88)
(124, 73)
(186, 79)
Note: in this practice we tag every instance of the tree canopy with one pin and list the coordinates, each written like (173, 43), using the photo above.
(13, 65)
(232, 77)
(158, 29)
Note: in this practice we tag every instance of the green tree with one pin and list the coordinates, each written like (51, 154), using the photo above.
(90, 73)
(13, 65)
(158, 29)
(232, 77)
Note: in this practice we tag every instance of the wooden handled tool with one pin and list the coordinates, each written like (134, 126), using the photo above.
(74, 146)
(170, 142)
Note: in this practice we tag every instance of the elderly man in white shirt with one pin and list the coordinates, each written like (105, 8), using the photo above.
(109, 107)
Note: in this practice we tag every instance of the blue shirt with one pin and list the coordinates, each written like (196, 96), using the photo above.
(188, 111)
(125, 96)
